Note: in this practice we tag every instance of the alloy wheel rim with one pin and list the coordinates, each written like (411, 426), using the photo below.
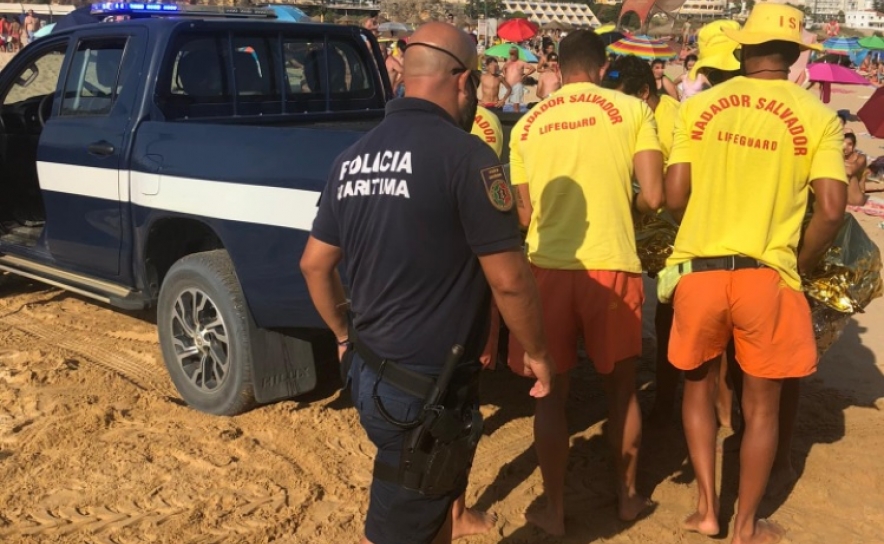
(199, 337)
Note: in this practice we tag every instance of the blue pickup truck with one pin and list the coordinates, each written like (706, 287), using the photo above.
(176, 162)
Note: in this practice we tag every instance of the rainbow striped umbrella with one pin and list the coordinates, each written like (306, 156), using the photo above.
(642, 46)
(841, 45)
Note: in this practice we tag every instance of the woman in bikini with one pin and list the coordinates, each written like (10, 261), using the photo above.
(686, 86)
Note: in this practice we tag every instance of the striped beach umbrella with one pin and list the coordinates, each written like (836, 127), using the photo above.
(642, 46)
(841, 45)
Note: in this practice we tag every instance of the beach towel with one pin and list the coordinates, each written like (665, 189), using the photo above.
(873, 207)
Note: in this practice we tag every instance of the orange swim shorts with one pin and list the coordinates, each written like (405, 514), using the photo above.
(602, 306)
(768, 320)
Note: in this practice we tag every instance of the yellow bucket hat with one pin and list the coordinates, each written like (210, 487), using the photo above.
(716, 49)
(770, 22)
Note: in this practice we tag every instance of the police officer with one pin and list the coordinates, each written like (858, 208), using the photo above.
(421, 214)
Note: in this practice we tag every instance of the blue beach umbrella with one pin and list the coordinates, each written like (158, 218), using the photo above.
(841, 45)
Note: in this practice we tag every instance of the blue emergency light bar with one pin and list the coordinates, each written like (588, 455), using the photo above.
(142, 9)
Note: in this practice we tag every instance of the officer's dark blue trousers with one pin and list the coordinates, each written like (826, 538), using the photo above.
(395, 515)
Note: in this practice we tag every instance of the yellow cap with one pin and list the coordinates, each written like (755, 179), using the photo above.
(716, 49)
(770, 22)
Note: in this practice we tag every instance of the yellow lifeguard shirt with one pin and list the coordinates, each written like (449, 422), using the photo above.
(487, 127)
(664, 115)
(754, 147)
(575, 151)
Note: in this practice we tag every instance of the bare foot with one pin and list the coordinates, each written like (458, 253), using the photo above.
(766, 532)
(697, 523)
(781, 481)
(472, 522)
(547, 520)
(630, 508)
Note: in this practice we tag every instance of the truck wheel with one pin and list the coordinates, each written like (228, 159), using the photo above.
(205, 330)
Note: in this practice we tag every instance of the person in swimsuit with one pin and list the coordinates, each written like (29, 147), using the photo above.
(688, 86)
(664, 84)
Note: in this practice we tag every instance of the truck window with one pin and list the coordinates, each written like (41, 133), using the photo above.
(255, 75)
(39, 78)
(93, 81)
(312, 67)
(314, 75)
(198, 85)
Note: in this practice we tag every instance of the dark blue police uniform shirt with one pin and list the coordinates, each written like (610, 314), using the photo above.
(408, 206)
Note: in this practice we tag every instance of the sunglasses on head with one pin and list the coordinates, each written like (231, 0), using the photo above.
(474, 74)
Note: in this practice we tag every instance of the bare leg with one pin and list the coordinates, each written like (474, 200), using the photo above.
(698, 414)
(469, 521)
(783, 474)
(667, 375)
(725, 397)
(626, 435)
(551, 444)
(761, 406)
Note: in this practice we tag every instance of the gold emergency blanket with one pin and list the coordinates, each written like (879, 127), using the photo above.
(849, 276)
(654, 237)
(845, 281)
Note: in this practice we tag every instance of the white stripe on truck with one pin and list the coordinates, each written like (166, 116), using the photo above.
(262, 205)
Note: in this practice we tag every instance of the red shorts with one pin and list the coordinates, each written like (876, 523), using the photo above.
(602, 306)
(769, 321)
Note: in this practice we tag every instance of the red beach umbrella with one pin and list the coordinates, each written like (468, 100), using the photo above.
(517, 30)
(872, 113)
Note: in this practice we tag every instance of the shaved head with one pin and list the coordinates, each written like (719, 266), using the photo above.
(440, 66)
(424, 61)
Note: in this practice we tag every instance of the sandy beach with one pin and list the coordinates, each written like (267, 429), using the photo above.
(96, 446)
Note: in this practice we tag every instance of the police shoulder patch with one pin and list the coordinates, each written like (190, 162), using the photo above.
(497, 188)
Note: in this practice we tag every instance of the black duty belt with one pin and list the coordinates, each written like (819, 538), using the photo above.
(403, 379)
(728, 262)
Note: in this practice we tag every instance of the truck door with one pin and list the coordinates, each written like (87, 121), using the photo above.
(80, 160)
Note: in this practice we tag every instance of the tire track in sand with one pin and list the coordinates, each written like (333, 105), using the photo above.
(104, 521)
(96, 349)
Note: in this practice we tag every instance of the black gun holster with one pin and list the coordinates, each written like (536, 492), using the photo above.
(437, 454)
(438, 449)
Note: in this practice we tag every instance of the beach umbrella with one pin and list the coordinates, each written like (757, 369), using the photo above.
(872, 114)
(44, 31)
(833, 73)
(826, 74)
(393, 27)
(604, 29)
(841, 45)
(875, 43)
(503, 50)
(643, 47)
(289, 14)
(517, 30)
